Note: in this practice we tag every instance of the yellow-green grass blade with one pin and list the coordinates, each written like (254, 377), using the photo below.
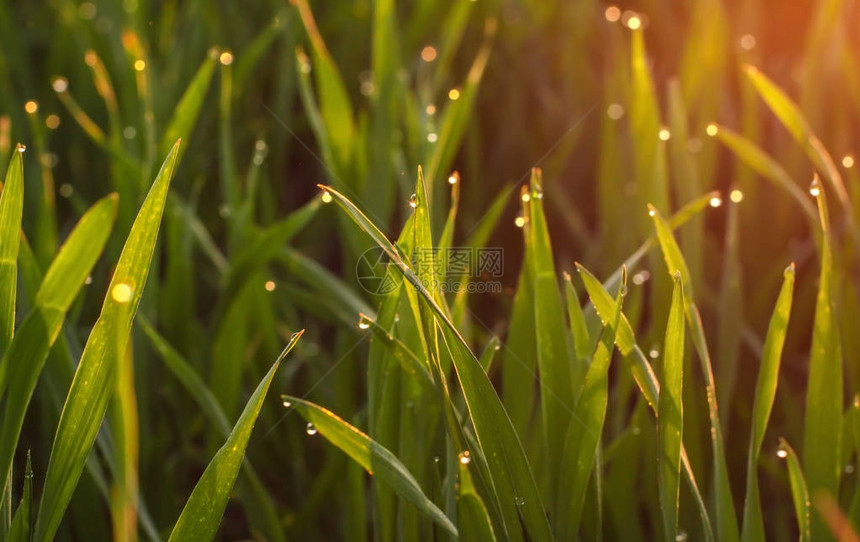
(473, 520)
(670, 413)
(511, 473)
(23, 362)
(553, 357)
(373, 457)
(22, 522)
(644, 376)
(92, 386)
(188, 109)
(823, 419)
(584, 430)
(727, 528)
(768, 376)
(789, 114)
(202, 513)
(11, 212)
(760, 162)
(799, 490)
(259, 503)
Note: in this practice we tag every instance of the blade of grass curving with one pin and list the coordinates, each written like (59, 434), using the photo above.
(26, 356)
(583, 435)
(489, 353)
(511, 474)
(376, 459)
(473, 519)
(11, 212)
(727, 528)
(767, 167)
(578, 330)
(768, 375)
(92, 385)
(823, 418)
(202, 513)
(799, 490)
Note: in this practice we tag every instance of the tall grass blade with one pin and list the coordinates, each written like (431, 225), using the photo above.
(92, 386)
(22, 522)
(472, 517)
(11, 211)
(201, 516)
(799, 490)
(670, 413)
(753, 523)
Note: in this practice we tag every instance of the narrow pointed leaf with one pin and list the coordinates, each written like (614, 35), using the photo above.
(11, 211)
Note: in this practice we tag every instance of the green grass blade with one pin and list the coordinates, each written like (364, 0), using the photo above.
(92, 385)
(578, 330)
(23, 362)
(584, 430)
(512, 476)
(22, 522)
(767, 167)
(799, 490)
(11, 211)
(186, 112)
(670, 413)
(554, 363)
(376, 459)
(727, 528)
(201, 516)
(753, 524)
(823, 420)
(472, 516)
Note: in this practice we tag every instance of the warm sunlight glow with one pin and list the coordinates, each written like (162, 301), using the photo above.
(454, 94)
(226, 58)
(664, 134)
(712, 129)
(428, 54)
(121, 293)
(31, 107)
(612, 14)
(634, 22)
(847, 161)
(139, 65)
(736, 196)
(270, 286)
(716, 201)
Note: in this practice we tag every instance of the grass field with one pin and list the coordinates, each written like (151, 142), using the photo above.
(429, 270)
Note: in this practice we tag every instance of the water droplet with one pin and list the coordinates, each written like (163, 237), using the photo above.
(849, 469)
(652, 212)
(747, 42)
(31, 107)
(681, 536)
(326, 197)
(413, 201)
(139, 65)
(22, 147)
(52, 121)
(305, 67)
(432, 137)
(664, 134)
(815, 188)
(129, 132)
(364, 322)
(287, 404)
(270, 286)
(454, 94)
(623, 290)
(121, 293)
(89, 280)
(847, 161)
(716, 201)
(311, 429)
(519, 501)
(436, 459)
(677, 274)
(465, 458)
(428, 54)
(226, 58)
(452, 179)
(430, 109)
(653, 353)
(520, 221)
(612, 14)
(781, 452)
(712, 129)
(66, 190)
(526, 197)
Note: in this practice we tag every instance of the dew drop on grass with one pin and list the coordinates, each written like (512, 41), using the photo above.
(60, 84)
(520, 221)
(641, 277)
(22, 147)
(681, 536)
(652, 212)
(716, 201)
(452, 179)
(653, 353)
(326, 197)
(311, 429)
(519, 501)
(363, 322)
(465, 458)
(287, 404)
(814, 188)
(781, 452)
(623, 290)
(121, 293)
(413, 201)
(526, 197)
